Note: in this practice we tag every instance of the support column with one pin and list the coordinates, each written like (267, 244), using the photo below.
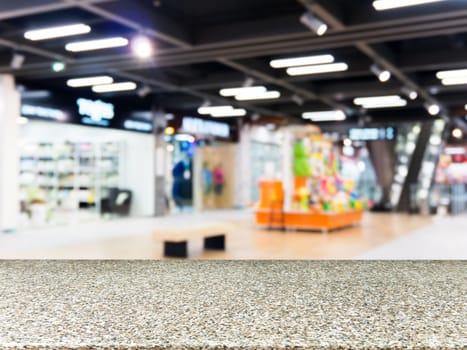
(160, 194)
(9, 154)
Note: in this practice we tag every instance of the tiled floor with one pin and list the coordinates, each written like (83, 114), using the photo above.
(384, 236)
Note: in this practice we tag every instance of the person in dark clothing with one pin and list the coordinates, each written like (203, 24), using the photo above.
(177, 175)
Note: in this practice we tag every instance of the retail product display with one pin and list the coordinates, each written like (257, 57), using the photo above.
(315, 195)
(67, 175)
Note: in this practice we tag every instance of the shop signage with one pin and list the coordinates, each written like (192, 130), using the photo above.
(372, 134)
(43, 112)
(95, 112)
(205, 127)
(137, 125)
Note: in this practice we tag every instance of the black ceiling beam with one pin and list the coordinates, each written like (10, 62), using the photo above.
(12, 9)
(342, 38)
(254, 72)
(367, 49)
(167, 30)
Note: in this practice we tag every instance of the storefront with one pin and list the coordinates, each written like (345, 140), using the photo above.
(449, 193)
(82, 159)
(201, 163)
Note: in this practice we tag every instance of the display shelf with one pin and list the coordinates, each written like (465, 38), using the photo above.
(68, 168)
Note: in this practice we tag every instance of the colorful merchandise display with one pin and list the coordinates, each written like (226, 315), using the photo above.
(316, 195)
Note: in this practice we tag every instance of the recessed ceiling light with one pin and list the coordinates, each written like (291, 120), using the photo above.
(242, 90)
(301, 61)
(391, 4)
(324, 116)
(266, 95)
(96, 44)
(90, 81)
(57, 32)
(125, 86)
(317, 69)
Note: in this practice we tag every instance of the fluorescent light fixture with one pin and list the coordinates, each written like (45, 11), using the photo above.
(301, 61)
(317, 69)
(465, 107)
(57, 32)
(238, 112)
(380, 101)
(125, 86)
(222, 111)
(96, 44)
(242, 90)
(381, 5)
(432, 108)
(142, 47)
(313, 23)
(90, 81)
(324, 116)
(382, 74)
(454, 73)
(267, 95)
(204, 110)
(455, 81)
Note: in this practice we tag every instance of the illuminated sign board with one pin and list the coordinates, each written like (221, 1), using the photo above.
(95, 112)
(205, 127)
(43, 112)
(137, 125)
(372, 134)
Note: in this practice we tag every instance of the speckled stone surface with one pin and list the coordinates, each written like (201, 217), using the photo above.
(236, 305)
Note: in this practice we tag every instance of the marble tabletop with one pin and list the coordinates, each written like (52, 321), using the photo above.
(233, 304)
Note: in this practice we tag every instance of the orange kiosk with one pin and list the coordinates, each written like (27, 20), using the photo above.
(312, 195)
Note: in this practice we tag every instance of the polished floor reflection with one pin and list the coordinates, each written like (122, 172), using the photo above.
(386, 236)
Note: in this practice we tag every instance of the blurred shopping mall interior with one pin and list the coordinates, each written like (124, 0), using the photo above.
(234, 129)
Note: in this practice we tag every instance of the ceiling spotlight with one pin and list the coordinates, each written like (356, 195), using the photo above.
(298, 100)
(382, 74)
(58, 66)
(143, 91)
(457, 133)
(141, 46)
(249, 81)
(432, 108)
(410, 93)
(17, 61)
(314, 23)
